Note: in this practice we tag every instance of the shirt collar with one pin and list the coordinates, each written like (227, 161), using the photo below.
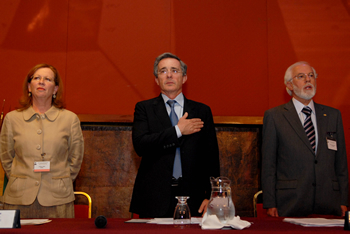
(51, 114)
(179, 99)
(299, 106)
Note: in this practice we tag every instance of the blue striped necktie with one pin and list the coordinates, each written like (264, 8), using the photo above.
(177, 171)
(309, 127)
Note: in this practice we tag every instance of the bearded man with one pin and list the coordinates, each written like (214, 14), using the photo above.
(304, 162)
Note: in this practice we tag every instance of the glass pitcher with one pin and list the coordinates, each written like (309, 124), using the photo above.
(220, 203)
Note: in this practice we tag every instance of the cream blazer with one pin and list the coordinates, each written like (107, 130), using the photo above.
(28, 137)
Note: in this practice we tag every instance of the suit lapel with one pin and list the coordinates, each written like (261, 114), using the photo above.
(192, 113)
(190, 109)
(322, 119)
(292, 117)
(160, 112)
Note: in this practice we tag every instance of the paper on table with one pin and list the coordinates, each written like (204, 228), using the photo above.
(34, 221)
(138, 221)
(171, 221)
(316, 222)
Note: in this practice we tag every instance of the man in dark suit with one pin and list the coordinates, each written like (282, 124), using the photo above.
(178, 158)
(304, 164)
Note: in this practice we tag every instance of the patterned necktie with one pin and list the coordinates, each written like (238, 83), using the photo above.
(177, 170)
(309, 127)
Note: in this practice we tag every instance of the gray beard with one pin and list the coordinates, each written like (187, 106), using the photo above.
(304, 95)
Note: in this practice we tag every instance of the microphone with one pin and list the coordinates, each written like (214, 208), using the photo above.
(101, 221)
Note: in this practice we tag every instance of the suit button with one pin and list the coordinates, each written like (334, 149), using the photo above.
(38, 147)
(39, 131)
(37, 183)
(315, 161)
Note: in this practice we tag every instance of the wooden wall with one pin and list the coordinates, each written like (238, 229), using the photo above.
(236, 50)
(110, 166)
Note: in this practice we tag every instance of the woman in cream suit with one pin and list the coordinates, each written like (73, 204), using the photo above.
(41, 149)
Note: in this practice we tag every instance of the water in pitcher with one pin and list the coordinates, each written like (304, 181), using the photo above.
(220, 203)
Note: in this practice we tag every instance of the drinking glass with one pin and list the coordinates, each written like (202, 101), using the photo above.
(182, 214)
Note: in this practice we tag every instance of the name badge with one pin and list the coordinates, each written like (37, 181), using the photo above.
(332, 144)
(42, 166)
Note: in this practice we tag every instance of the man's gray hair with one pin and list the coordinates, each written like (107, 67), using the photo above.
(168, 55)
(288, 75)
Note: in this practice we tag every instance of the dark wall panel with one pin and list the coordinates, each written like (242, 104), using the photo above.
(110, 166)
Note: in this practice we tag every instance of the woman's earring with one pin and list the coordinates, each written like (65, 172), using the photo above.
(54, 95)
(29, 94)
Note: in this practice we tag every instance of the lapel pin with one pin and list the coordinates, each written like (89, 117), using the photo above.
(324, 114)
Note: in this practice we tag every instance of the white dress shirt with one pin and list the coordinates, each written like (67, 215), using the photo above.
(179, 107)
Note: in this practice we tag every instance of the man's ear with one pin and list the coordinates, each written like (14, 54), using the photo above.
(290, 85)
(156, 80)
(184, 79)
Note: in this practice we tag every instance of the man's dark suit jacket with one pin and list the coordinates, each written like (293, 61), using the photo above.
(155, 140)
(294, 179)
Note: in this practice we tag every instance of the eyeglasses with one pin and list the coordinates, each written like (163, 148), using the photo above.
(39, 78)
(171, 71)
(302, 76)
